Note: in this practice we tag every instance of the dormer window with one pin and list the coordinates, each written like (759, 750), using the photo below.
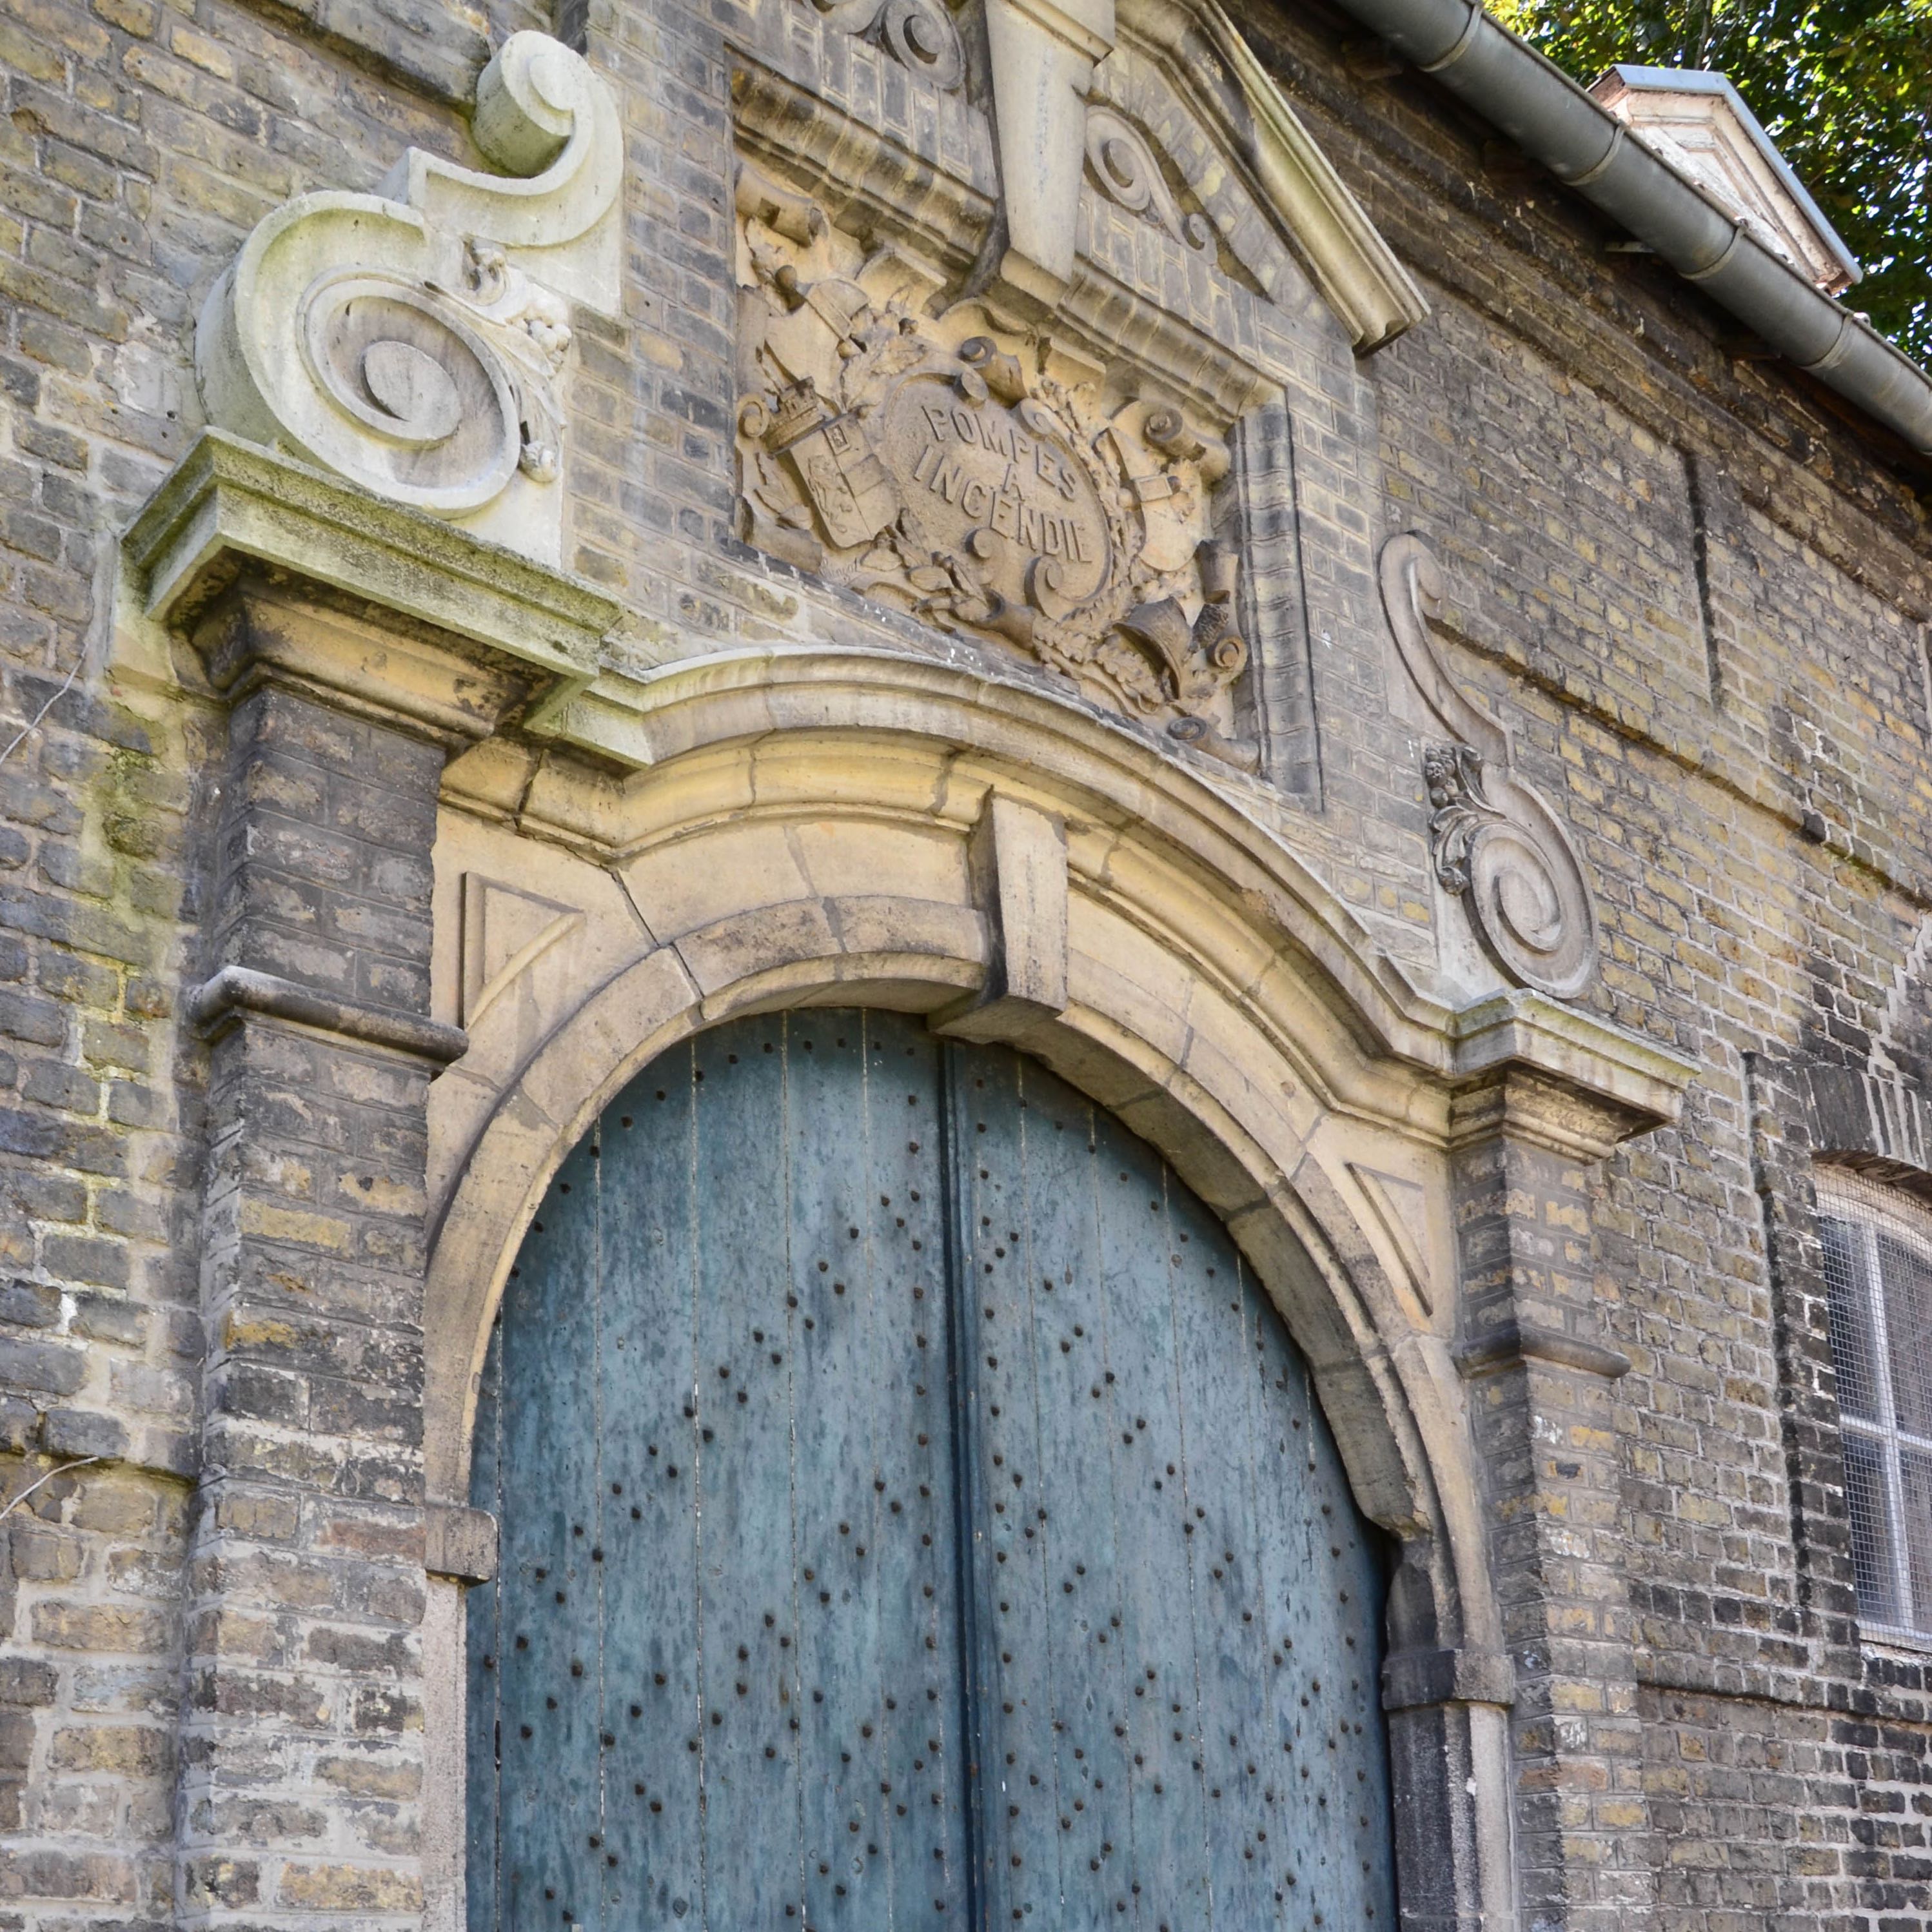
(1697, 123)
(1878, 1273)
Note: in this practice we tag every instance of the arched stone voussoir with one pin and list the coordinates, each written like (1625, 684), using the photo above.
(1422, 1490)
(821, 826)
(860, 717)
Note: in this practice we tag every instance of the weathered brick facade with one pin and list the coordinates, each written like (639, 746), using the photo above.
(1696, 589)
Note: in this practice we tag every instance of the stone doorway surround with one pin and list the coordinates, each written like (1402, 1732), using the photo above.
(616, 869)
(465, 883)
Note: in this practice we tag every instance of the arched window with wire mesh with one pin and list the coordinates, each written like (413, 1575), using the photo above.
(1878, 1273)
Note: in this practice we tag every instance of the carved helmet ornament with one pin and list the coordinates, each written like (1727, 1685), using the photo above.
(1496, 842)
(970, 479)
(413, 340)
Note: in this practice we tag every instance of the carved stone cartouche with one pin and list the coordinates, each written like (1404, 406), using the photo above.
(1496, 843)
(975, 479)
(413, 341)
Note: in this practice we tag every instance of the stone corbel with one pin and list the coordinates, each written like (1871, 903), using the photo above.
(415, 341)
(459, 1543)
(275, 570)
(1496, 843)
(1543, 1094)
(1418, 1679)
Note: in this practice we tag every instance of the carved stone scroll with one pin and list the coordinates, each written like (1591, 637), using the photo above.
(1496, 843)
(413, 341)
(920, 34)
(1124, 166)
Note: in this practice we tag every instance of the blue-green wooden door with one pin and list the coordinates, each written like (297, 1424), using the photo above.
(913, 1515)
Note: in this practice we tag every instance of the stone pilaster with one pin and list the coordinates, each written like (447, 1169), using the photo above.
(303, 1663)
(1448, 1712)
(357, 647)
(1526, 1153)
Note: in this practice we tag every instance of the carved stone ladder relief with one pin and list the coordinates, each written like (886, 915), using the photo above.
(1496, 843)
(951, 404)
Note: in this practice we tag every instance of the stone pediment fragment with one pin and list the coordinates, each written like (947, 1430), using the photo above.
(1372, 294)
(1055, 90)
(414, 341)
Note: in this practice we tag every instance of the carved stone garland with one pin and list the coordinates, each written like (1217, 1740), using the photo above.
(413, 341)
(971, 477)
(1497, 844)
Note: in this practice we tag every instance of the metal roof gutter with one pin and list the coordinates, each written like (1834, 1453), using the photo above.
(1584, 144)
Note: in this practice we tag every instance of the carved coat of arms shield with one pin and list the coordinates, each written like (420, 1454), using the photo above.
(851, 489)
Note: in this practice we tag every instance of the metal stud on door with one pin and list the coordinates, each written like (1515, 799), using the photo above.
(912, 1515)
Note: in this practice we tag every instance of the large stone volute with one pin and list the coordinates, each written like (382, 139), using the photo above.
(413, 341)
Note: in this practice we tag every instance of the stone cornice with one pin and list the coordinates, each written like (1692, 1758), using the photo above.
(235, 990)
(229, 505)
(1590, 1084)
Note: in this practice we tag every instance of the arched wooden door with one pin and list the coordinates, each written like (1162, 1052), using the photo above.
(912, 1515)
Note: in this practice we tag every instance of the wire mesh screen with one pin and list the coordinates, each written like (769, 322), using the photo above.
(1878, 1275)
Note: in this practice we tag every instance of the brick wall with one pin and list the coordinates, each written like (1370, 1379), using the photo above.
(1700, 600)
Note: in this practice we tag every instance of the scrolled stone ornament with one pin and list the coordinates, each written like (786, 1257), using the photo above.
(1125, 167)
(919, 34)
(424, 401)
(411, 341)
(1496, 843)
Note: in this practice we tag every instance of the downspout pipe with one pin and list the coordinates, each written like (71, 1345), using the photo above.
(1552, 118)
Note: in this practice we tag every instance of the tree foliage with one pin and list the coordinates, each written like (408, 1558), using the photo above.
(1844, 87)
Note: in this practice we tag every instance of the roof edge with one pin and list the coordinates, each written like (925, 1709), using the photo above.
(1709, 80)
(1529, 98)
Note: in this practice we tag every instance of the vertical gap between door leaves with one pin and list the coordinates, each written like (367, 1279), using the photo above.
(956, 1190)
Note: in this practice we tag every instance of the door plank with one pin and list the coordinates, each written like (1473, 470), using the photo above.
(1080, 1393)
(745, 1477)
(1019, 1797)
(650, 1650)
(549, 1794)
(1324, 1598)
(1211, 1311)
(1157, 1578)
(840, 1614)
(914, 1515)
(483, 1640)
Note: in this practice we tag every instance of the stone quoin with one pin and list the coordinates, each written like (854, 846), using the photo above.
(961, 965)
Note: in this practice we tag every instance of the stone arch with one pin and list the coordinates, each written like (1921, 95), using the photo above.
(825, 827)
(1291, 1217)
(1217, 999)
